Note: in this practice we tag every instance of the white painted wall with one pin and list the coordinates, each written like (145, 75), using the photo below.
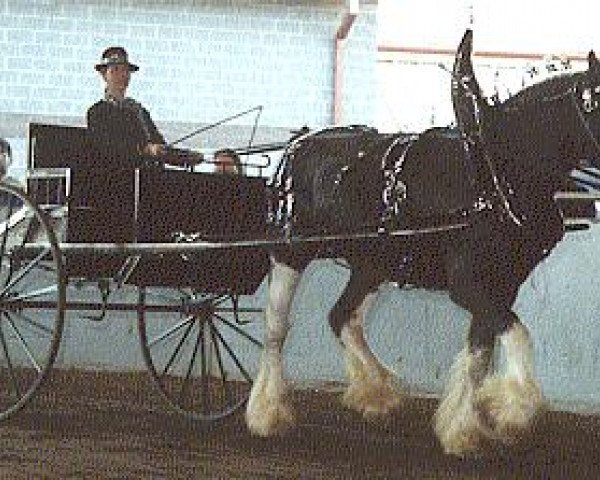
(511, 25)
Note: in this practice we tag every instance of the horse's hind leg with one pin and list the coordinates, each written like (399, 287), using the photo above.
(372, 388)
(269, 410)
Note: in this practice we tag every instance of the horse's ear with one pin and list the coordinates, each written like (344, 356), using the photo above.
(593, 63)
(465, 47)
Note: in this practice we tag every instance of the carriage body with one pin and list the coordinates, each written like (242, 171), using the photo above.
(121, 204)
(86, 228)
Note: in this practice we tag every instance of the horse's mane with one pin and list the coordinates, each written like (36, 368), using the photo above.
(545, 89)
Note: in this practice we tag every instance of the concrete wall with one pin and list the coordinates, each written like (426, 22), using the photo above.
(201, 61)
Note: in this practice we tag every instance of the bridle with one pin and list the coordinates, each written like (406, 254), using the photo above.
(588, 106)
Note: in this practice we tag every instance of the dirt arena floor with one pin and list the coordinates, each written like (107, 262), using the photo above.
(114, 426)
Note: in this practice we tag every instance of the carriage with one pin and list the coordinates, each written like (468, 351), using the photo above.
(91, 239)
(193, 247)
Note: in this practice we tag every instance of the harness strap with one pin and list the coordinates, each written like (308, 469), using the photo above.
(394, 190)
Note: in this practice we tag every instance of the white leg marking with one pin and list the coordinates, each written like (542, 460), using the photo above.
(371, 390)
(456, 421)
(477, 406)
(508, 404)
(269, 411)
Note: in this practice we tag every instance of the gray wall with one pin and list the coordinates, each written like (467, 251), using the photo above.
(201, 61)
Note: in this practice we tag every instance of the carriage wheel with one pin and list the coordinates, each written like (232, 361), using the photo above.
(32, 299)
(202, 350)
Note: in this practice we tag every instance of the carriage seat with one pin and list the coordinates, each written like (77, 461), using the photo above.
(64, 170)
(52, 151)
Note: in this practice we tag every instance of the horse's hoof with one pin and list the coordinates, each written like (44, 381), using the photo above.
(457, 427)
(273, 417)
(507, 408)
(373, 399)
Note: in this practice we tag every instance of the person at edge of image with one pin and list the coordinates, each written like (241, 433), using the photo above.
(227, 161)
(5, 156)
(119, 127)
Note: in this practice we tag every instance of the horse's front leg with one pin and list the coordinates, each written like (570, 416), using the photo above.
(456, 421)
(479, 405)
(509, 401)
(372, 388)
(269, 410)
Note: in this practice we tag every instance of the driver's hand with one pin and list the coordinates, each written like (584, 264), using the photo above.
(154, 149)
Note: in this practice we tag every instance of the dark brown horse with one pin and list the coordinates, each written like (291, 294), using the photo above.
(492, 183)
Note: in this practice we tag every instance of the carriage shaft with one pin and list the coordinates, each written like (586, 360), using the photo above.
(200, 246)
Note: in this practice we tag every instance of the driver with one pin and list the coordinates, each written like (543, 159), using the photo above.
(119, 126)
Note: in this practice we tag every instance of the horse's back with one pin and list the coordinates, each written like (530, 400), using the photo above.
(349, 179)
(437, 177)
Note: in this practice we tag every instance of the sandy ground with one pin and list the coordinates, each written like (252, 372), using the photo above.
(114, 426)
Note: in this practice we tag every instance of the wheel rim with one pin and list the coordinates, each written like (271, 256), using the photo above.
(201, 349)
(32, 296)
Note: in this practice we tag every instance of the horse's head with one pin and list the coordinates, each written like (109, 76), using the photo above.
(587, 96)
(557, 119)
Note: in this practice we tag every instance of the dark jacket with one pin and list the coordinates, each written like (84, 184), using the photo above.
(103, 198)
(119, 130)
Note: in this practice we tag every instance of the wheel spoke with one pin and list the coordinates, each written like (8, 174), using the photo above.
(9, 364)
(239, 330)
(43, 328)
(222, 371)
(28, 229)
(171, 331)
(33, 294)
(24, 271)
(204, 387)
(5, 232)
(219, 299)
(177, 349)
(233, 356)
(241, 310)
(190, 368)
(24, 344)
